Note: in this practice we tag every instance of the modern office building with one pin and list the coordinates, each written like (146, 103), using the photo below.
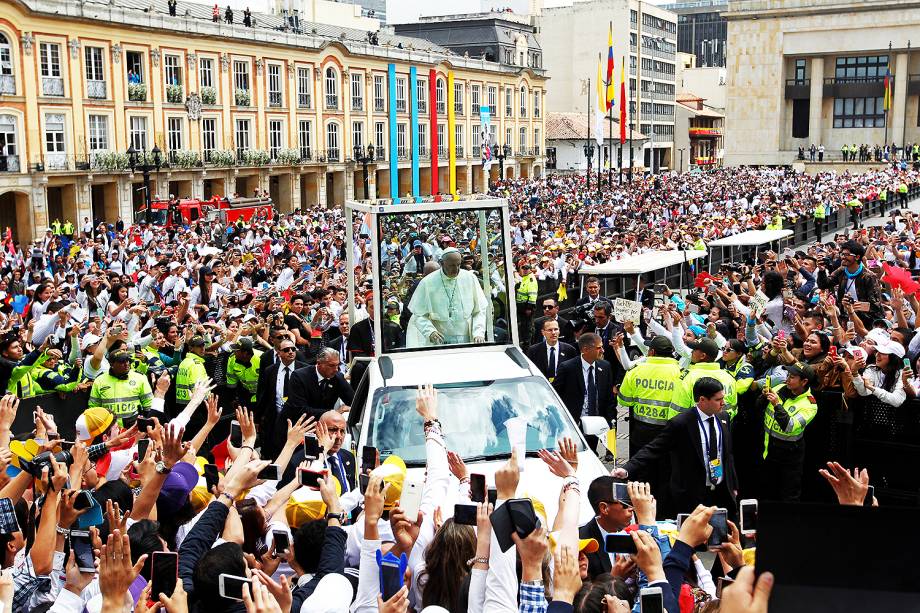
(235, 109)
(701, 30)
(813, 71)
(572, 36)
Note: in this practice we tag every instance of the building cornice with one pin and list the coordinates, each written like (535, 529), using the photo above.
(739, 10)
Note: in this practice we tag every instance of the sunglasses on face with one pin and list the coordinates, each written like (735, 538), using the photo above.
(286, 350)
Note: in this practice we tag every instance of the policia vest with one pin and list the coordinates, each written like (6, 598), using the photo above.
(124, 398)
(648, 389)
(786, 423)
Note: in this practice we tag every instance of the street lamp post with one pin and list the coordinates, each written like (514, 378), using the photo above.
(589, 154)
(502, 153)
(363, 158)
(681, 167)
(154, 163)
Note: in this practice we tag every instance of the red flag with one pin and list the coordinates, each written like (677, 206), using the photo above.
(623, 100)
(895, 276)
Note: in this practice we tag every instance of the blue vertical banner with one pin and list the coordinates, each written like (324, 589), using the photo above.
(413, 127)
(394, 158)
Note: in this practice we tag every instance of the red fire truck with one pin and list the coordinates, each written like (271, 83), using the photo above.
(184, 211)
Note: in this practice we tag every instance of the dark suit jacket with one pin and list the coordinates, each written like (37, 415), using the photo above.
(537, 355)
(336, 344)
(680, 439)
(599, 561)
(346, 457)
(566, 330)
(570, 384)
(359, 338)
(307, 396)
(266, 410)
(647, 298)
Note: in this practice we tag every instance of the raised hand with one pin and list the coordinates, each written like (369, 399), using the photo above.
(426, 402)
(850, 488)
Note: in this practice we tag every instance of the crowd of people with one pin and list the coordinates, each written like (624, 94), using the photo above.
(191, 359)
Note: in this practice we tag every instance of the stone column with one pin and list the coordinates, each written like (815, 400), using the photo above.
(125, 200)
(39, 207)
(816, 97)
(899, 102)
(84, 199)
(198, 185)
(296, 196)
(371, 182)
(321, 201)
(350, 182)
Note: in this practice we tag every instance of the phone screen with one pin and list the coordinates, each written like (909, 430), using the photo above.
(83, 500)
(477, 487)
(231, 586)
(83, 548)
(309, 478)
(310, 447)
(719, 523)
(282, 541)
(369, 458)
(142, 446)
(211, 476)
(748, 516)
(621, 494)
(870, 494)
(492, 495)
(620, 543)
(236, 434)
(363, 481)
(465, 514)
(391, 579)
(269, 473)
(164, 572)
(523, 516)
(651, 601)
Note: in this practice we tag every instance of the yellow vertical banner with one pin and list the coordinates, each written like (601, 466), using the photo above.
(451, 145)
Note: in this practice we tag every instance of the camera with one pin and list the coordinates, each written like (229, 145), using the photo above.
(36, 465)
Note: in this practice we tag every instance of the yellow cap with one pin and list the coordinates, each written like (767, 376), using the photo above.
(200, 497)
(588, 545)
(393, 472)
(306, 505)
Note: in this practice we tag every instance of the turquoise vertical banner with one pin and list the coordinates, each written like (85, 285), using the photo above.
(413, 127)
(394, 158)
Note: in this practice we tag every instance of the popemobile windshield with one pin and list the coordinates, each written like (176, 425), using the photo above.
(462, 246)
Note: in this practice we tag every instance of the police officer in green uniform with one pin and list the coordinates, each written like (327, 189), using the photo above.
(789, 409)
(54, 375)
(68, 229)
(647, 390)
(525, 294)
(735, 363)
(243, 369)
(121, 390)
(855, 207)
(703, 364)
(902, 192)
(191, 370)
(819, 214)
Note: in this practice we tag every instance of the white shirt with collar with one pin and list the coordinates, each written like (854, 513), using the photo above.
(279, 383)
(556, 347)
(584, 373)
(703, 425)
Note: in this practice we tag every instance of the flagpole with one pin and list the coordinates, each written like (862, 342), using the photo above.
(886, 103)
(904, 125)
(588, 143)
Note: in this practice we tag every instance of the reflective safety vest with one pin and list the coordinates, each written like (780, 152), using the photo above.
(26, 386)
(527, 290)
(776, 223)
(902, 188)
(56, 227)
(883, 195)
(743, 374)
(68, 228)
(854, 203)
(122, 397)
(151, 362)
(648, 388)
(56, 380)
(191, 370)
(820, 211)
(796, 412)
(247, 375)
(683, 399)
(699, 245)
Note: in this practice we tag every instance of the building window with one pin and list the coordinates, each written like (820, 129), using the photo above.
(458, 99)
(477, 138)
(357, 134)
(864, 68)
(6, 56)
(422, 94)
(206, 72)
(379, 97)
(401, 152)
(332, 141)
(305, 138)
(138, 133)
(536, 103)
(275, 94)
(173, 70)
(380, 140)
(332, 89)
(859, 113)
(474, 98)
(509, 102)
(50, 59)
(241, 78)
(357, 91)
(95, 77)
(275, 137)
(508, 137)
(241, 136)
(536, 141)
(442, 142)
(208, 137)
(54, 141)
(423, 139)
(173, 134)
(458, 139)
(9, 160)
(523, 142)
(439, 95)
(523, 101)
(304, 88)
(400, 95)
(98, 133)
(493, 101)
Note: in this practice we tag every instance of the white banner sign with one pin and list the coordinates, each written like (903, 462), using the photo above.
(627, 310)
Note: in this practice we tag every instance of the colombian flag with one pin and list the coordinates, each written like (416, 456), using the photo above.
(611, 90)
(623, 100)
(887, 101)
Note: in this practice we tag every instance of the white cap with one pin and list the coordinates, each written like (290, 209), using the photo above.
(877, 336)
(333, 594)
(249, 317)
(890, 347)
(88, 340)
(174, 265)
(234, 313)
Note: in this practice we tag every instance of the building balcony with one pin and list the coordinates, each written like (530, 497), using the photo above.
(402, 153)
(442, 108)
(52, 86)
(458, 109)
(7, 84)
(303, 101)
(137, 92)
(422, 106)
(333, 155)
(274, 99)
(357, 104)
(798, 89)
(705, 132)
(400, 106)
(9, 163)
(174, 94)
(379, 106)
(96, 90)
(423, 153)
(332, 102)
(854, 87)
(458, 149)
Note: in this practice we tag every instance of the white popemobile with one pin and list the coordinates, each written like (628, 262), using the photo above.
(461, 337)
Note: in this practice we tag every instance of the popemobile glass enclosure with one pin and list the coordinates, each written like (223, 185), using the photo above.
(441, 272)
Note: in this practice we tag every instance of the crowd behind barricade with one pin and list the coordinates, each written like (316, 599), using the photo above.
(207, 392)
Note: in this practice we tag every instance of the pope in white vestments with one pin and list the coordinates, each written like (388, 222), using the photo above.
(448, 306)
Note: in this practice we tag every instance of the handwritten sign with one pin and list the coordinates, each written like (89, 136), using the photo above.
(758, 303)
(627, 310)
